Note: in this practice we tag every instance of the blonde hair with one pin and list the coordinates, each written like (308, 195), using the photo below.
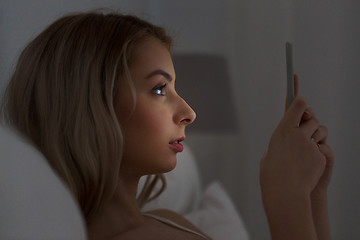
(61, 97)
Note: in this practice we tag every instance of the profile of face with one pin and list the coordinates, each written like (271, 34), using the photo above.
(152, 129)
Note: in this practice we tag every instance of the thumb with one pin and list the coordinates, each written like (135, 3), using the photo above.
(296, 85)
(295, 112)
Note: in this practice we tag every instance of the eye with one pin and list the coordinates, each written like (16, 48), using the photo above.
(159, 90)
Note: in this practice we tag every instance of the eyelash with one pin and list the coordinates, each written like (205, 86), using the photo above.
(160, 88)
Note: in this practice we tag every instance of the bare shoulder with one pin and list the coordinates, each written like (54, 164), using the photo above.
(176, 218)
(153, 229)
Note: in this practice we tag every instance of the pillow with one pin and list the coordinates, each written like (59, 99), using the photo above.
(217, 215)
(210, 210)
(34, 203)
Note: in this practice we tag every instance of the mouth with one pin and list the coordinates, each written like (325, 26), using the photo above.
(176, 144)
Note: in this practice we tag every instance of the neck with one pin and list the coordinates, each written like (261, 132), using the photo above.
(120, 214)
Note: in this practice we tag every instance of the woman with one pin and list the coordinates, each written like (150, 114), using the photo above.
(96, 95)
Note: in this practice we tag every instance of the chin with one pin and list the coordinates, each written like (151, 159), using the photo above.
(168, 166)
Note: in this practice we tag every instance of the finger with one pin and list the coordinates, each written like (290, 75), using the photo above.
(320, 135)
(330, 159)
(309, 113)
(295, 112)
(309, 127)
(328, 153)
(296, 85)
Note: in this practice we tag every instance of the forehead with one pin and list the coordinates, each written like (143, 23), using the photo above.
(150, 54)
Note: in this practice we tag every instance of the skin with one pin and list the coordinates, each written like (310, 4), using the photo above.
(295, 173)
(160, 116)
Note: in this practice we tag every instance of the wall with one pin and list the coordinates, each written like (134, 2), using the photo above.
(251, 34)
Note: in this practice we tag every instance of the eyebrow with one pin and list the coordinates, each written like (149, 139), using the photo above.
(160, 72)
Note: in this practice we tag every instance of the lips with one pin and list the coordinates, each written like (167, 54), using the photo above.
(176, 144)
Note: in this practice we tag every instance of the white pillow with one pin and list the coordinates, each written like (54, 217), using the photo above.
(34, 203)
(211, 210)
(217, 215)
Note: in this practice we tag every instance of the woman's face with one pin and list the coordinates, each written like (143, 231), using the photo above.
(160, 115)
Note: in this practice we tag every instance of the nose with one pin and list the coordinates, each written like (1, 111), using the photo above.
(185, 115)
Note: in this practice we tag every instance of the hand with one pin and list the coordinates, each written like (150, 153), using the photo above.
(320, 137)
(319, 203)
(293, 164)
(289, 172)
(294, 175)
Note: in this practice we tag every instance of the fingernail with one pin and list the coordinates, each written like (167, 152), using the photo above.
(307, 113)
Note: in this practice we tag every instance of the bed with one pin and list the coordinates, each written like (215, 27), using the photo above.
(35, 204)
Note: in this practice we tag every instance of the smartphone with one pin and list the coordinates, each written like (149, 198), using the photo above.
(290, 74)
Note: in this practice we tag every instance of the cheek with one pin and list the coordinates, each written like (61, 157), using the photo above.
(149, 120)
(146, 136)
(148, 124)
(123, 108)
